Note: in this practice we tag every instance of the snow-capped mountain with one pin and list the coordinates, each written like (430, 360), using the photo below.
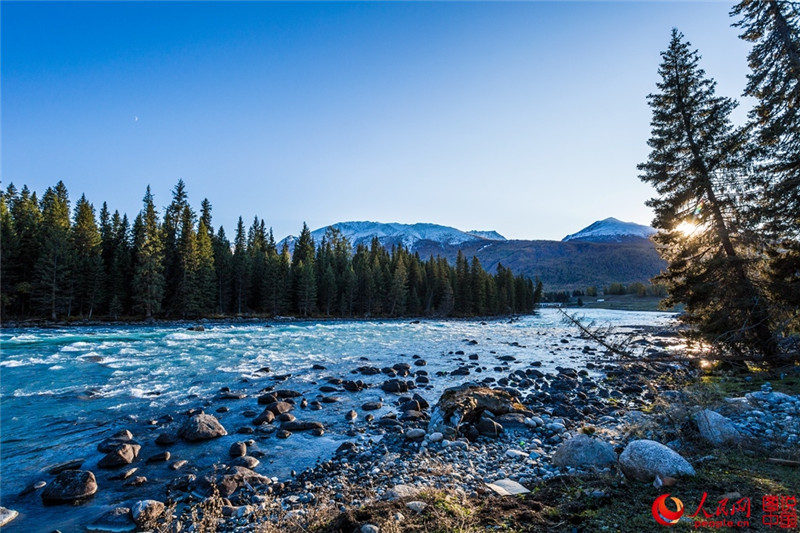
(409, 235)
(611, 230)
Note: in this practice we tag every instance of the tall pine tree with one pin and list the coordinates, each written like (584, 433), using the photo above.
(148, 280)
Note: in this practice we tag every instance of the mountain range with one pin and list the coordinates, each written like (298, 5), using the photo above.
(604, 252)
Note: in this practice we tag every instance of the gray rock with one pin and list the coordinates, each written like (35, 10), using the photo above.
(369, 528)
(238, 449)
(123, 454)
(583, 451)
(415, 433)
(70, 485)
(716, 429)
(146, 511)
(417, 506)
(202, 427)
(7, 515)
(642, 460)
(400, 491)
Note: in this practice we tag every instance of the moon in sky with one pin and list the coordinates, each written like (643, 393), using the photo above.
(135, 118)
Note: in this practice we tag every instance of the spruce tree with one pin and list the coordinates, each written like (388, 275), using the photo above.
(53, 279)
(223, 266)
(240, 268)
(696, 161)
(188, 295)
(88, 258)
(773, 26)
(148, 280)
(206, 276)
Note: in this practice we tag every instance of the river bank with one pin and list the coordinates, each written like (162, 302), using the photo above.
(366, 436)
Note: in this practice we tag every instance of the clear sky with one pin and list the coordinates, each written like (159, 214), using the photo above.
(525, 118)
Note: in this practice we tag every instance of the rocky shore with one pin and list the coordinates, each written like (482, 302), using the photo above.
(636, 420)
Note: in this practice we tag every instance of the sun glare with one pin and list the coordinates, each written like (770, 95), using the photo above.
(686, 228)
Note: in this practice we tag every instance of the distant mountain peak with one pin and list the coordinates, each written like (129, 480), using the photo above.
(611, 230)
(394, 233)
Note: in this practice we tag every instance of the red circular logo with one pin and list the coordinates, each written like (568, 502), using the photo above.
(663, 514)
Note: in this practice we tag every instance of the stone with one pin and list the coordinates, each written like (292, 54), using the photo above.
(146, 511)
(643, 460)
(302, 425)
(238, 449)
(516, 454)
(372, 406)
(177, 465)
(116, 520)
(117, 438)
(246, 461)
(467, 403)
(488, 427)
(200, 427)
(507, 487)
(7, 515)
(370, 528)
(166, 438)
(266, 417)
(395, 386)
(436, 436)
(716, 429)
(69, 486)
(123, 454)
(351, 415)
(125, 474)
(159, 457)
(584, 451)
(417, 506)
(414, 434)
(400, 491)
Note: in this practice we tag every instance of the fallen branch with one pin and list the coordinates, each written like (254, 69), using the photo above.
(784, 462)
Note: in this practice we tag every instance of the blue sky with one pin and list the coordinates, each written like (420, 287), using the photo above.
(525, 118)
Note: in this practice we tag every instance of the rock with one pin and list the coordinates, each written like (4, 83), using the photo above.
(177, 465)
(238, 449)
(112, 442)
(417, 506)
(395, 386)
(146, 511)
(7, 515)
(488, 427)
(351, 415)
(70, 485)
(196, 328)
(435, 437)
(125, 474)
(400, 491)
(643, 460)
(372, 406)
(507, 487)
(716, 429)
(584, 451)
(116, 520)
(283, 434)
(266, 417)
(137, 481)
(300, 425)
(123, 454)
(370, 528)
(467, 403)
(414, 434)
(201, 427)
(516, 454)
(246, 461)
(159, 457)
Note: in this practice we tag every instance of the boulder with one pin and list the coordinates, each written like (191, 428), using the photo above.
(584, 451)
(266, 417)
(467, 403)
(202, 427)
(643, 460)
(238, 449)
(123, 454)
(302, 425)
(69, 486)
(415, 434)
(395, 386)
(716, 429)
(146, 511)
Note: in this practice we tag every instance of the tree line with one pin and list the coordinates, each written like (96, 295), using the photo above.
(59, 263)
(728, 196)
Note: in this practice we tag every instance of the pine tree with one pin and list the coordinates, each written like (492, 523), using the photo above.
(223, 266)
(187, 297)
(9, 248)
(301, 277)
(171, 236)
(206, 276)
(88, 258)
(240, 268)
(773, 26)
(149, 250)
(696, 160)
(53, 280)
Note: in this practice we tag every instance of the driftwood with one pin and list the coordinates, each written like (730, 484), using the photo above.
(784, 462)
